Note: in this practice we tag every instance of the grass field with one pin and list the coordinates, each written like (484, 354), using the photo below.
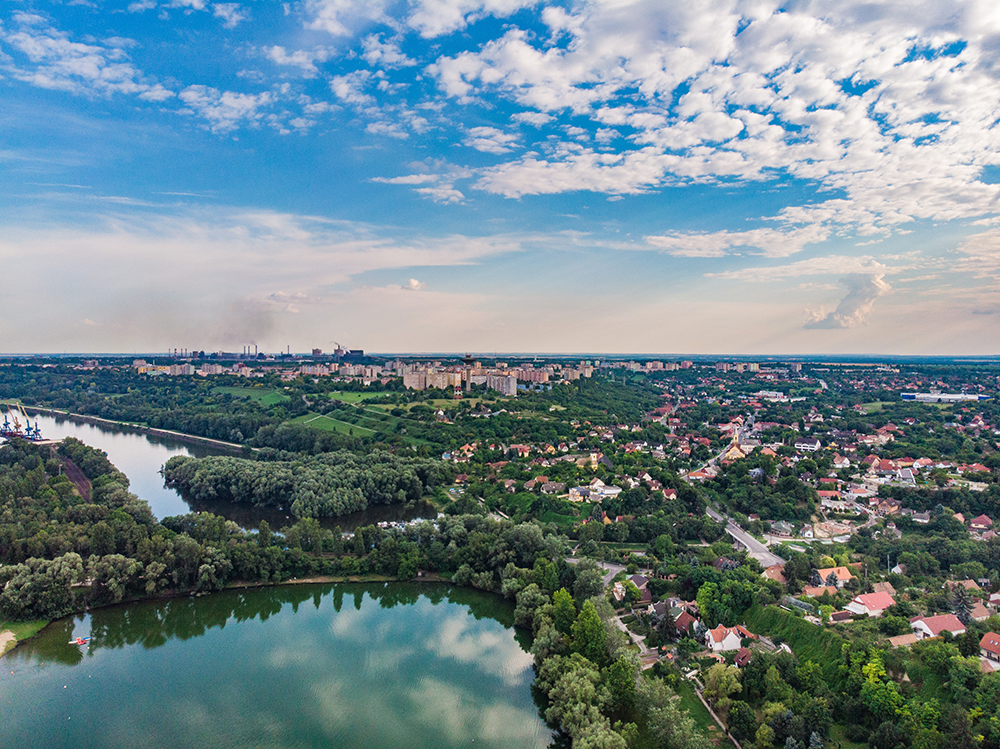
(354, 397)
(264, 396)
(328, 424)
(690, 702)
(21, 630)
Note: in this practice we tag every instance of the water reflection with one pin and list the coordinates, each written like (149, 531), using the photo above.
(392, 665)
(140, 456)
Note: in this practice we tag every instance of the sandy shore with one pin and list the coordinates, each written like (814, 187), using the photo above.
(7, 639)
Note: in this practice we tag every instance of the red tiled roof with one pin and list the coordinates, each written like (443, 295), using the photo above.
(990, 643)
(875, 601)
(940, 623)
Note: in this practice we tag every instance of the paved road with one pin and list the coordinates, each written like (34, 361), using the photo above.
(756, 549)
(611, 569)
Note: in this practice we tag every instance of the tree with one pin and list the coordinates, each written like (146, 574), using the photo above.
(620, 680)
(764, 738)
(529, 601)
(666, 627)
(589, 636)
(962, 605)
(721, 681)
(564, 610)
(589, 580)
(742, 720)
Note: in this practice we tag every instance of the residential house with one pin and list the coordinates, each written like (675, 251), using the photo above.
(807, 445)
(743, 657)
(842, 575)
(872, 604)
(980, 524)
(723, 638)
(775, 572)
(903, 641)
(989, 646)
(933, 626)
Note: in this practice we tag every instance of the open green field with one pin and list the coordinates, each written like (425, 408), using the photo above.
(263, 395)
(354, 397)
(690, 702)
(328, 424)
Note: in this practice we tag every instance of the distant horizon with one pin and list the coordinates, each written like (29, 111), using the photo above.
(835, 359)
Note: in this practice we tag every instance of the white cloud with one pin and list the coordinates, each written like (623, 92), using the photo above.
(533, 118)
(414, 285)
(771, 242)
(230, 13)
(436, 17)
(490, 140)
(385, 54)
(224, 110)
(54, 61)
(305, 60)
(855, 308)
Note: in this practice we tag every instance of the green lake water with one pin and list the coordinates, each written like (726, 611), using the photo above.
(374, 666)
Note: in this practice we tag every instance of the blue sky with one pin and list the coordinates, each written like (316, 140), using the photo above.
(450, 175)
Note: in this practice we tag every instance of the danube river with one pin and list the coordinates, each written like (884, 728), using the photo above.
(388, 665)
(140, 456)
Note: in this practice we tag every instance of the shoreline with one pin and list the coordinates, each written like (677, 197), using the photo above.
(433, 577)
(142, 429)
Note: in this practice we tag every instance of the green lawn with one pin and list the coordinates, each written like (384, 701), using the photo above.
(262, 395)
(22, 630)
(328, 424)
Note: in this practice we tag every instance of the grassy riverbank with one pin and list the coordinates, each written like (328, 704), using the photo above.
(20, 631)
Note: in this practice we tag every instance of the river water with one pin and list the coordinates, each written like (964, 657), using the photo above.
(390, 665)
(140, 456)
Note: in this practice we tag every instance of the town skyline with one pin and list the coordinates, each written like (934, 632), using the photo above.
(547, 176)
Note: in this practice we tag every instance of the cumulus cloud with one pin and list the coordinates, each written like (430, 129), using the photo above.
(224, 110)
(490, 140)
(415, 285)
(230, 13)
(855, 308)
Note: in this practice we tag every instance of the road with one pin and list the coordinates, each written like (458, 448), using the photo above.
(755, 548)
(610, 569)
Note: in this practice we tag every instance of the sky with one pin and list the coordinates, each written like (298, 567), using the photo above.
(718, 177)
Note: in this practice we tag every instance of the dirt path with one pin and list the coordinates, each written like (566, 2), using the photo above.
(74, 474)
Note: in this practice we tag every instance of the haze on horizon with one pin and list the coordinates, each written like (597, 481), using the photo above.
(451, 175)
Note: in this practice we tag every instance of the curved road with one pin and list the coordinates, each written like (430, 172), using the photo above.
(755, 548)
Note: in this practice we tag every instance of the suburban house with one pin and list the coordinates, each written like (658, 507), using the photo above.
(980, 524)
(743, 657)
(723, 638)
(872, 604)
(804, 444)
(933, 626)
(842, 575)
(989, 646)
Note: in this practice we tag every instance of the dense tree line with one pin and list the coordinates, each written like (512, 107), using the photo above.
(326, 485)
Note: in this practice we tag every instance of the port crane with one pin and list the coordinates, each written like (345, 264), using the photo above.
(28, 431)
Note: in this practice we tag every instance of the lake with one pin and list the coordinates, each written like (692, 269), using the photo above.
(140, 456)
(388, 665)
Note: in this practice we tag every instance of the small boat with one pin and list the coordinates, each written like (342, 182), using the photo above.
(80, 640)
